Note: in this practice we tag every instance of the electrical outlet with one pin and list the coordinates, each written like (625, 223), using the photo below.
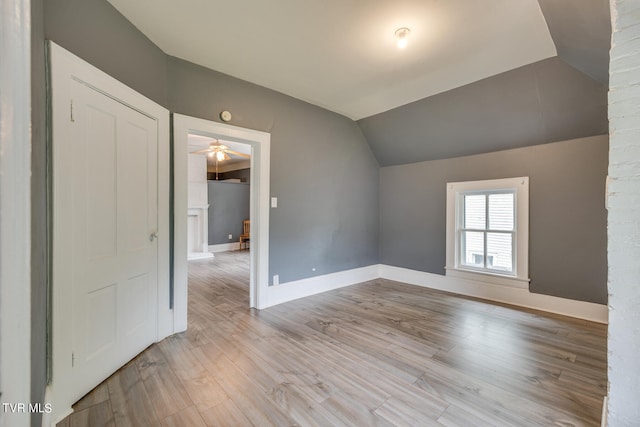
(276, 279)
(230, 236)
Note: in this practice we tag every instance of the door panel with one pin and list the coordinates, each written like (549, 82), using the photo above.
(114, 210)
(101, 320)
(99, 142)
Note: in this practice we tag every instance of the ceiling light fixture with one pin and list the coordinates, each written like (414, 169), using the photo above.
(402, 34)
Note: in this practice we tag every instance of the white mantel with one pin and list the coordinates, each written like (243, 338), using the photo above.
(198, 209)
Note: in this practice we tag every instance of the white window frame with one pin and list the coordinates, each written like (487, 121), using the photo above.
(519, 278)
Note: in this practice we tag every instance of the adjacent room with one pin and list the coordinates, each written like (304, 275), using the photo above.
(334, 213)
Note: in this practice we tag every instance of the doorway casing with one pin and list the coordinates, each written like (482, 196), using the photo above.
(259, 206)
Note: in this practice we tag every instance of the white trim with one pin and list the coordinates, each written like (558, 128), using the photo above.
(290, 291)
(224, 247)
(193, 256)
(521, 247)
(488, 278)
(259, 200)
(166, 316)
(65, 68)
(15, 208)
(519, 297)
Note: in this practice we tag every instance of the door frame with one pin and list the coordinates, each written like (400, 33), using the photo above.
(65, 68)
(259, 205)
(15, 209)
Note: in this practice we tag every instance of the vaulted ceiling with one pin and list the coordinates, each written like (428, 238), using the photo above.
(476, 76)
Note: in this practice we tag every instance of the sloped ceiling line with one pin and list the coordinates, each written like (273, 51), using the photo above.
(475, 78)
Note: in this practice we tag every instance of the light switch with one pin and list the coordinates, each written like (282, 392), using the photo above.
(274, 202)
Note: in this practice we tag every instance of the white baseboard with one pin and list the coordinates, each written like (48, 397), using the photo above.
(224, 247)
(199, 255)
(290, 291)
(520, 297)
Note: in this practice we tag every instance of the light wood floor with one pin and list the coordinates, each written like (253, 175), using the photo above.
(378, 353)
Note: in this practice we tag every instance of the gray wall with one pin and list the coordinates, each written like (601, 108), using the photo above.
(322, 171)
(581, 31)
(327, 217)
(567, 242)
(228, 207)
(243, 175)
(96, 32)
(546, 101)
(39, 226)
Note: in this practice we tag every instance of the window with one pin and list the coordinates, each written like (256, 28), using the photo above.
(487, 230)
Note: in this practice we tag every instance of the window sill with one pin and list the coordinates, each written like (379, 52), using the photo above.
(490, 278)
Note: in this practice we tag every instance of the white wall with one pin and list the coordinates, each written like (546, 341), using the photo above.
(623, 218)
(15, 210)
(198, 207)
(197, 175)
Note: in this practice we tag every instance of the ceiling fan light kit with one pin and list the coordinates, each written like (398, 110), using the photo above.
(402, 36)
(220, 151)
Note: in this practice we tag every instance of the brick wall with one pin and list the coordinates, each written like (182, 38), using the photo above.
(624, 216)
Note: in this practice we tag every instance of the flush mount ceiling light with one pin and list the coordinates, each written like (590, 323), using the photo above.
(402, 36)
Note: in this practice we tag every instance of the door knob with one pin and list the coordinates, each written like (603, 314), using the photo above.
(153, 236)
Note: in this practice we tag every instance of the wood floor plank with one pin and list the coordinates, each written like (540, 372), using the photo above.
(368, 349)
(224, 414)
(518, 379)
(454, 416)
(98, 415)
(130, 403)
(246, 394)
(203, 390)
(400, 413)
(376, 353)
(65, 422)
(299, 407)
(482, 397)
(353, 412)
(185, 417)
(163, 387)
(95, 396)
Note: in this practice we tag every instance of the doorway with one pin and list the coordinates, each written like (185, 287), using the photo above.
(218, 196)
(259, 206)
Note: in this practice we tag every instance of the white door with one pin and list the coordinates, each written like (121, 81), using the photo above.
(114, 209)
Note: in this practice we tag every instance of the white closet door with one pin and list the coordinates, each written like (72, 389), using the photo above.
(114, 210)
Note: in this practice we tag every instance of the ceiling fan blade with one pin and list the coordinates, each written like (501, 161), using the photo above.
(235, 153)
(206, 150)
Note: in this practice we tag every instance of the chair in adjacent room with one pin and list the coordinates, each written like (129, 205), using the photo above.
(245, 237)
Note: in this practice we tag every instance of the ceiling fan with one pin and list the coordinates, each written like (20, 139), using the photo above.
(220, 152)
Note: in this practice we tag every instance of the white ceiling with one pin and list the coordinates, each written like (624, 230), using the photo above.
(341, 54)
